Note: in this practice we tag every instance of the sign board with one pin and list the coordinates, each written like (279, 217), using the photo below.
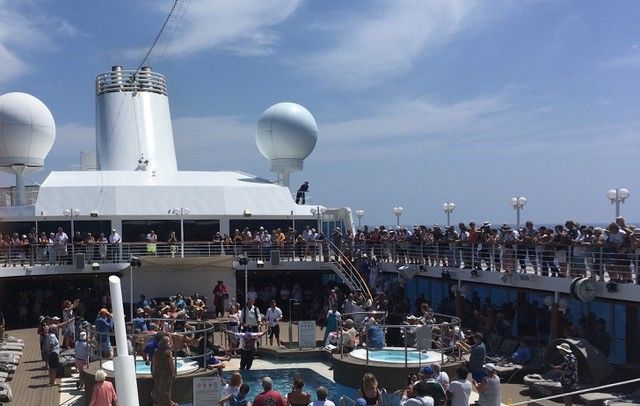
(306, 334)
(207, 390)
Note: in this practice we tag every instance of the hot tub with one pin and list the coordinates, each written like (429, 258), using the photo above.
(395, 355)
(184, 366)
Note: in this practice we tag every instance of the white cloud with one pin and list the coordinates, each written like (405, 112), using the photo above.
(631, 61)
(25, 29)
(368, 49)
(241, 27)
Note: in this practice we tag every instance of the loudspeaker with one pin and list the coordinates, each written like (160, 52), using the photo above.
(78, 261)
(274, 255)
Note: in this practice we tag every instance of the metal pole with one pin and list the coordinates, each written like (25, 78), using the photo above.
(448, 218)
(397, 220)
(406, 356)
(518, 215)
(246, 280)
(131, 292)
(181, 234)
(73, 246)
(290, 325)
(617, 205)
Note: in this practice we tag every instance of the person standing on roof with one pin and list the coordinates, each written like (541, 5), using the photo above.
(300, 196)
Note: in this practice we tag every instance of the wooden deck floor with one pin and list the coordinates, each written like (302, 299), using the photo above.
(30, 382)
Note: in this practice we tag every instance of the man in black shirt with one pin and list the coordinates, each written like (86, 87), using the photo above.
(300, 196)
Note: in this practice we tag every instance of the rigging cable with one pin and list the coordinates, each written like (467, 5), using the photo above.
(155, 41)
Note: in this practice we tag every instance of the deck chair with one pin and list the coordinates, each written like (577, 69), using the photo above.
(11, 346)
(9, 359)
(4, 376)
(6, 394)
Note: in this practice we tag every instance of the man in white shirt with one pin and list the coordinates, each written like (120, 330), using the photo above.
(422, 398)
(460, 389)
(322, 393)
(115, 242)
(250, 317)
(274, 315)
(440, 376)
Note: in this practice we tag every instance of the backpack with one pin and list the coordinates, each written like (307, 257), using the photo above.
(255, 312)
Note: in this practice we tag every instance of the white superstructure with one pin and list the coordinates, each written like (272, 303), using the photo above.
(137, 176)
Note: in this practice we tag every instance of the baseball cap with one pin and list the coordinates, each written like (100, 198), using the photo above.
(361, 402)
(489, 367)
(426, 371)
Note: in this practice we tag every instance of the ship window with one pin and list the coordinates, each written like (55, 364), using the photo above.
(20, 227)
(137, 230)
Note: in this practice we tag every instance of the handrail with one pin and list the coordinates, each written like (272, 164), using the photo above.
(577, 392)
(364, 286)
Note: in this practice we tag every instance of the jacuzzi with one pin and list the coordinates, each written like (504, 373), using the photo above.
(184, 366)
(396, 355)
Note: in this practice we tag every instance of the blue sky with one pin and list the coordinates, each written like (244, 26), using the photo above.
(417, 102)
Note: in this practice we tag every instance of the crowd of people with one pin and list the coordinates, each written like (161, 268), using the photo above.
(56, 248)
(571, 249)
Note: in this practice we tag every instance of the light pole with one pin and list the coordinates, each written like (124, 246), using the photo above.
(398, 212)
(318, 212)
(72, 213)
(448, 209)
(359, 214)
(518, 204)
(182, 211)
(618, 196)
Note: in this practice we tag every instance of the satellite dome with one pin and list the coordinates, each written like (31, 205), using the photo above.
(286, 131)
(286, 134)
(27, 130)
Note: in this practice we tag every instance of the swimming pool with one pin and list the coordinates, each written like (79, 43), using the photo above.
(395, 355)
(183, 367)
(283, 380)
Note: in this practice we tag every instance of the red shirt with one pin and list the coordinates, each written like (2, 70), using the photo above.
(270, 398)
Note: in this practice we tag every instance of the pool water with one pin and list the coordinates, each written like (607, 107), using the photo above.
(183, 366)
(283, 382)
(396, 355)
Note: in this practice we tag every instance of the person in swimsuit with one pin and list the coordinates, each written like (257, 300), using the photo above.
(298, 397)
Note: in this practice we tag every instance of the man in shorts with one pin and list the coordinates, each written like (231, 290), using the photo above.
(274, 315)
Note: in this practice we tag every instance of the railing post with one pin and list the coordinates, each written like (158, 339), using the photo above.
(473, 256)
(406, 356)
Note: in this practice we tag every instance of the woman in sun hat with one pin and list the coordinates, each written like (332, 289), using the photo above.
(568, 370)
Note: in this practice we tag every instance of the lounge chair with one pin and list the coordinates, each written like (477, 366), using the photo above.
(6, 394)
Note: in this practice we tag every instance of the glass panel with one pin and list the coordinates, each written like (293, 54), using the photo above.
(20, 227)
(200, 230)
(137, 230)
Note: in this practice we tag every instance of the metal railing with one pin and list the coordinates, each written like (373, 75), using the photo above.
(95, 338)
(580, 391)
(131, 81)
(598, 262)
(435, 337)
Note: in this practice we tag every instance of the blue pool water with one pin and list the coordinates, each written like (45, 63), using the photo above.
(396, 356)
(283, 381)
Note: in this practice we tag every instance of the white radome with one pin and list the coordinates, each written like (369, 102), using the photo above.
(27, 130)
(286, 131)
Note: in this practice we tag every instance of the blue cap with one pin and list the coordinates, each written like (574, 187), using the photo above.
(361, 402)
(426, 371)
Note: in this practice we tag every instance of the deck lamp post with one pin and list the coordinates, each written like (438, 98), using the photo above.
(182, 212)
(72, 213)
(518, 204)
(618, 196)
(448, 209)
(398, 212)
(359, 214)
(319, 213)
